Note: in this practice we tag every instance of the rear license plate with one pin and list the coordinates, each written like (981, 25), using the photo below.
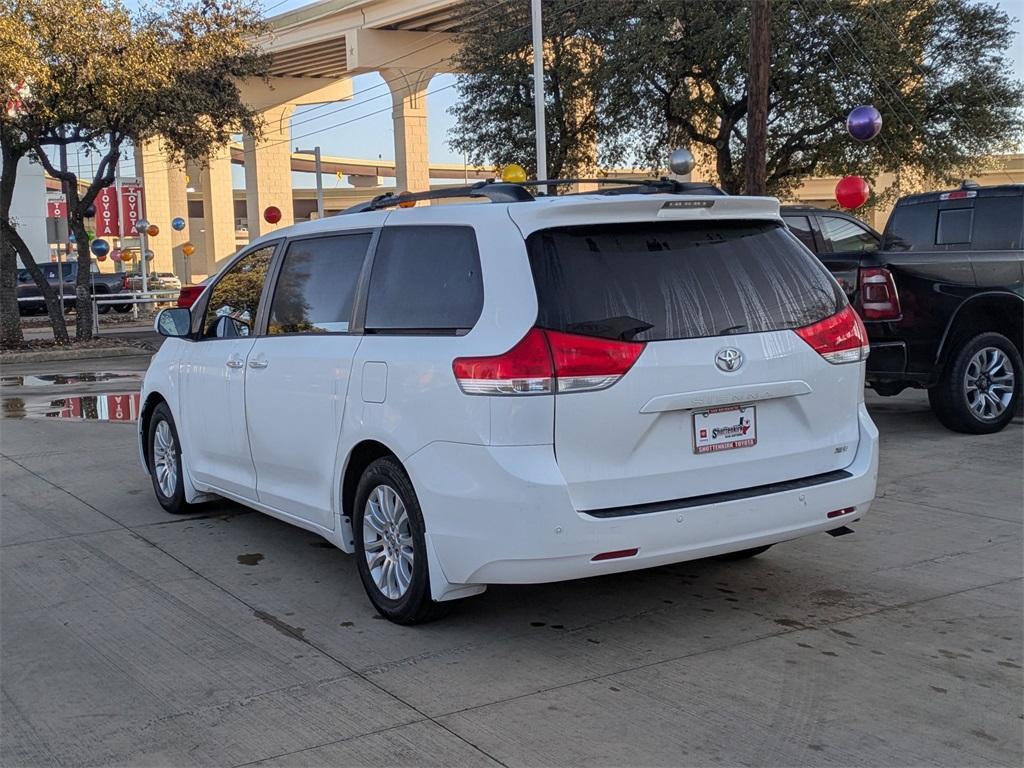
(722, 429)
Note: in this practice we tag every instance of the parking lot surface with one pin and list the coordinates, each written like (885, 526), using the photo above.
(130, 637)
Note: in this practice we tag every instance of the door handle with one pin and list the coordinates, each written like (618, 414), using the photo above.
(235, 362)
(258, 363)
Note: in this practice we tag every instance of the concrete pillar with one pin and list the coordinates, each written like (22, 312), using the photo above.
(217, 241)
(154, 168)
(409, 114)
(268, 171)
(177, 182)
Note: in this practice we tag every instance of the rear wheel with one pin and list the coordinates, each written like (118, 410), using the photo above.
(980, 386)
(165, 461)
(745, 554)
(391, 551)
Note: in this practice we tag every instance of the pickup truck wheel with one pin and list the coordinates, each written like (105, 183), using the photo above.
(122, 308)
(391, 553)
(980, 386)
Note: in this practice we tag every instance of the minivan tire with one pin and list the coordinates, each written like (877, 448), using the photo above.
(414, 605)
(163, 447)
(950, 399)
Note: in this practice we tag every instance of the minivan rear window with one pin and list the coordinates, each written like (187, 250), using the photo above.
(655, 281)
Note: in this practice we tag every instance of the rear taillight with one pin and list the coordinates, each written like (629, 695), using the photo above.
(548, 361)
(840, 338)
(126, 284)
(878, 297)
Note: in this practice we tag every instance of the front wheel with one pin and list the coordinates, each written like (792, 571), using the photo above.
(391, 552)
(165, 461)
(980, 386)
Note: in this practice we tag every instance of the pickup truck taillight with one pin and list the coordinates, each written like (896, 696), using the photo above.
(126, 284)
(878, 297)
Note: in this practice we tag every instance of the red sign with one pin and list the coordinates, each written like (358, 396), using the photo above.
(56, 206)
(131, 206)
(106, 213)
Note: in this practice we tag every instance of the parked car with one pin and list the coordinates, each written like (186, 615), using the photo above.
(189, 293)
(155, 281)
(839, 239)
(530, 390)
(30, 299)
(942, 298)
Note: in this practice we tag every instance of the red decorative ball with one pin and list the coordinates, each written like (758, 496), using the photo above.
(852, 192)
(272, 214)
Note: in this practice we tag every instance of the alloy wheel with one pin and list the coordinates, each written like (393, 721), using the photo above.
(387, 542)
(989, 383)
(165, 460)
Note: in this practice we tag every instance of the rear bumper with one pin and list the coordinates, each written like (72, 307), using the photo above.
(887, 358)
(503, 515)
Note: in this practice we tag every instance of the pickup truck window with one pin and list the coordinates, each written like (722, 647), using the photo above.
(847, 236)
(954, 226)
(998, 223)
(801, 227)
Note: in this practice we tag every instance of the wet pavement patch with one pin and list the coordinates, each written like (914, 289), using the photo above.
(62, 379)
(250, 559)
(298, 633)
(115, 406)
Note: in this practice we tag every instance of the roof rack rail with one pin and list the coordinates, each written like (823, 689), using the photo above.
(517, 192)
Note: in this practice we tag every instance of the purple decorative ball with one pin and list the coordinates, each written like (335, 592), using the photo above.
(864, 123)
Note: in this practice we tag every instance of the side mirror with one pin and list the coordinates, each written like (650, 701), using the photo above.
(174, 322)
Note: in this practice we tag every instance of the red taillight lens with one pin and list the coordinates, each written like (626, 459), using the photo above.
(840, 338)
(878, 297)
(523, 370)
(587, 362)
(126, 284)
(547, 361)
(188, 295)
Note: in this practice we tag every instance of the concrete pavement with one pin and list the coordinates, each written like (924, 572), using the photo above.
(130, 637)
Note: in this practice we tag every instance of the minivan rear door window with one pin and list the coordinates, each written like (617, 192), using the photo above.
(677, 280)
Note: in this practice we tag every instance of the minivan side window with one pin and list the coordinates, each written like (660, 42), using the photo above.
(235, 299)
(425, 279)
(847, 236)
(316, 284)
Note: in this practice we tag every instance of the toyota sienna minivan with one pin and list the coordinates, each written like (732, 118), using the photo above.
(526, 389)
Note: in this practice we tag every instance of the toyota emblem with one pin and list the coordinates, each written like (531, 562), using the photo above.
(729, 359)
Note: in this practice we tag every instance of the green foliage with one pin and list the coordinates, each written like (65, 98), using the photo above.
(673, 73)
(101, 76)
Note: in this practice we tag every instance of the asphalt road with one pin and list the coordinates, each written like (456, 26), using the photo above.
(130, 637)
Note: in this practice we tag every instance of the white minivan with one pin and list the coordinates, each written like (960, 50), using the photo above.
(522, 389)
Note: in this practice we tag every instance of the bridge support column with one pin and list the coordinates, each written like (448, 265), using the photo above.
(154, 167)
(268, 171)
(409, 99)
(217, 241)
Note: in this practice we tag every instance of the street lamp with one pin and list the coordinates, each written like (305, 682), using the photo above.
(315, 152)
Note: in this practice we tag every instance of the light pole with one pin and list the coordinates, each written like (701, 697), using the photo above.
(538, 90)
(140, 227)
(315, 152)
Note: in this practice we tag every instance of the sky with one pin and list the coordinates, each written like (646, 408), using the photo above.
(362, 127)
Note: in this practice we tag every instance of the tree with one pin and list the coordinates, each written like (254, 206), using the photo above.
(494, 116)
(675, 73)
(112, 78)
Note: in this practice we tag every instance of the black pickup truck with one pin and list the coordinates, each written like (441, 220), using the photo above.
(942, 297)
(30, 299)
